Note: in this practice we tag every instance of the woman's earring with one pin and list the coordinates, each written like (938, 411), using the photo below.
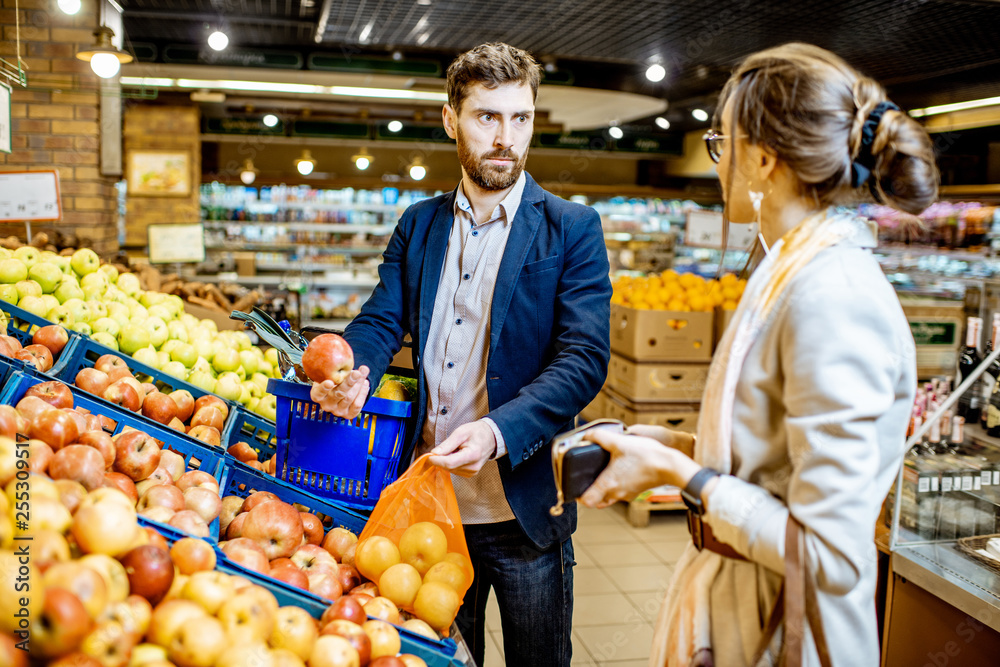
(756, 199)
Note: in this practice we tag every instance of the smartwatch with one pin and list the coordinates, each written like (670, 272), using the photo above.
(691, 494)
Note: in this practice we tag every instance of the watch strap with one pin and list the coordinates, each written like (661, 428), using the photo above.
(691, 494)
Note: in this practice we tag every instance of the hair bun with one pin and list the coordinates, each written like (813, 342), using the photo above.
(906, 174)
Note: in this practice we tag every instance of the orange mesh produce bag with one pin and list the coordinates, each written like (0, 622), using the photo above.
(406, 515)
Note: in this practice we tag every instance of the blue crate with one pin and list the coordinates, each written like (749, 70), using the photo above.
(197, 456)
(347, 460)
(26, 318)
(249, 427)
(171, 535)
(24, 333)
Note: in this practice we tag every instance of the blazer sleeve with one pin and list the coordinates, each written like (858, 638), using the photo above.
(582, 346)
(842, 358)
(376, 334)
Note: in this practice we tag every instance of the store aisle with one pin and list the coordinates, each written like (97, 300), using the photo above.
(620, 578)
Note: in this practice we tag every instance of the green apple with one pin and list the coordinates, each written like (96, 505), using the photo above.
(107, 325)
(28, 255)
(61, 315)
(116, 295)
(161, 311)
(210, 325)
(9, 294)
(97, 281)
(184, 353)
(28, 288)
(93, 293)
(169, 346)
(110, 271)
(202, 380)
(260, 380)
(265, 367)
(63, 263)
(97, 308)
(5, 254)
(177, 369)
(271, 355)
(119, 313)
(85, 261)
(137, 311)
(132, 337)
(47, 275)
(50, 301)
(12, 271)
(80, 309)
(176, 304)
(69, 290)
(204, 348)
(129, 283)
(148, 356)
(105, 339)
(249, 362)
(150, 299)
(229, 387)
(268, 407)
(225, 359)
(33, 304)
(82, 328)
(190, 321)
(162, 358)
(178, 331)
(157, 329)
(252, 405)
(253, 389)
(241, 372)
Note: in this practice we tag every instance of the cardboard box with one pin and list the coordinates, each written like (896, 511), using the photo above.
(221, 320)
(645, 381)
(595, 409)
(246, 263)
(676, 416)
(661, 335)
(722, 320)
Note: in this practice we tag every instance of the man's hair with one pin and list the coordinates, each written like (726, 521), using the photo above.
(492, 65)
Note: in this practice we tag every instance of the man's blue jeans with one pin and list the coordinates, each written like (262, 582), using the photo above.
(534, 591)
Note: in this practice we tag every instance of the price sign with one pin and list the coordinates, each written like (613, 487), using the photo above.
(5, 131)
(29, 195)
(704, 230)
(173, 243)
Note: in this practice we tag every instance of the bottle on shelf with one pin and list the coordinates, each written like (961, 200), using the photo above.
(970, 403)
(988, 380)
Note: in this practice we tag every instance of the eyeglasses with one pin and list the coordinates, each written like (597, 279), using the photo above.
(715, 143)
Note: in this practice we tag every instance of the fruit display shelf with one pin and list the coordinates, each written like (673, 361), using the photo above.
(434, 653)
(27, 318)
(9, 365)
(346, 460)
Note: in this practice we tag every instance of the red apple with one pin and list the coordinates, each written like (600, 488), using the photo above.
(197, 478)
(162, 495)
(348, 576)
(173, 463)
(235, 528)
(8, 421)
(346, 608)
(177, 425)
(149, 388)
(207, 434)
(190, 522)
(56, 428)
(257, 498)
(387, 661)
(158, 513)
(150, 572)
(157, 477)
(39, 456)
(325, 584)
(308, 557)
(100, 441)
(116, 374)
(79, 463)
(109, 362)
(312, 527)
(84, 582)
(159, 407)
(192, 555)
(92, 380)
(155, 538)
(205, 502)
(12, 342)
(80, 419)
(61, 626)
(107, 423)
(31, 359)
(55, 393)
(328, 357)
(367, 588)
(135, 384)
(48, 547)
(71, 493)
(242, 452)
(121, 393)
(94, 423)
(185, 403)
(5, 349)
(247, 553)
(31, 408)
(116, 480)
(41, 353)
(54, 337)
(211, 401)
(352, 632)
(208, 416)
(230, 507)
(136, 455)
(291, 575)
(338, 541)
(276, 526)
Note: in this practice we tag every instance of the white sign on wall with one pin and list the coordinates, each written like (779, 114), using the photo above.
(170, 243)
(5, 131)
(29, 195)
(704, 230)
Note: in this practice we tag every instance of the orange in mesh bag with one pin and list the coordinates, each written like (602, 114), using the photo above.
(413, 546)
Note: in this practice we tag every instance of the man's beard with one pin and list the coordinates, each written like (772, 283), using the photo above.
(490, 177)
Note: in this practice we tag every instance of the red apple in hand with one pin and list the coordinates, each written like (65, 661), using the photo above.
(55, 393)
(159, 407)
(328, 357)
(54, 337)
(136, 455)
(150, 572)
(56, 428)
(185, 403)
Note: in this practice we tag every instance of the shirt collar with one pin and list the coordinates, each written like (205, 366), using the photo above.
(505, 210)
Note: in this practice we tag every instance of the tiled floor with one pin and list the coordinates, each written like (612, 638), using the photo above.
(619, 582)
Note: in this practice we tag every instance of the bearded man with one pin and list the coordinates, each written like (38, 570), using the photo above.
(504, 290)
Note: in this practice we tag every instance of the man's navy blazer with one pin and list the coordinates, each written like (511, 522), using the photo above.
(549, 333)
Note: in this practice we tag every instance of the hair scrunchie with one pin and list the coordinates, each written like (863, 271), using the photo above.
(864, 163)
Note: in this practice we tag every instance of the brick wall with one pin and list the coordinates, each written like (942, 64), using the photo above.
(162, 128)
(55, 120)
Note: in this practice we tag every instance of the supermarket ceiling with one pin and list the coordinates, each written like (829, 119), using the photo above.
(926, 52)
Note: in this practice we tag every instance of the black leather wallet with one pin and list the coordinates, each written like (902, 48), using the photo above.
(576, 463)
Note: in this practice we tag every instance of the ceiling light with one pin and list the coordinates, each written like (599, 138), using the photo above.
(104, 58)
(365, 33)
(249, 174)
(218, 40)
(144, 81)
(293, 88)
(418, 170)
(615, 132)
(655, 72)
(305, 164)
(270, 120)
(956, 106)
(397, 55)
(208, 96)
(394, 126)
(699, 114)
(69, 6)
(362, 160)
(662, 123)
(424, 36)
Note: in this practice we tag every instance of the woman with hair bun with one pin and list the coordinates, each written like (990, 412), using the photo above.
(804, 416)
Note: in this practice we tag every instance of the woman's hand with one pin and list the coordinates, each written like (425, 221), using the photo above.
(637, 463)
(676, 439)
(345, 399)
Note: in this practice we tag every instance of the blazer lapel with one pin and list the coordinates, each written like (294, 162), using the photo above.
(435, 249)
(522, 234)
